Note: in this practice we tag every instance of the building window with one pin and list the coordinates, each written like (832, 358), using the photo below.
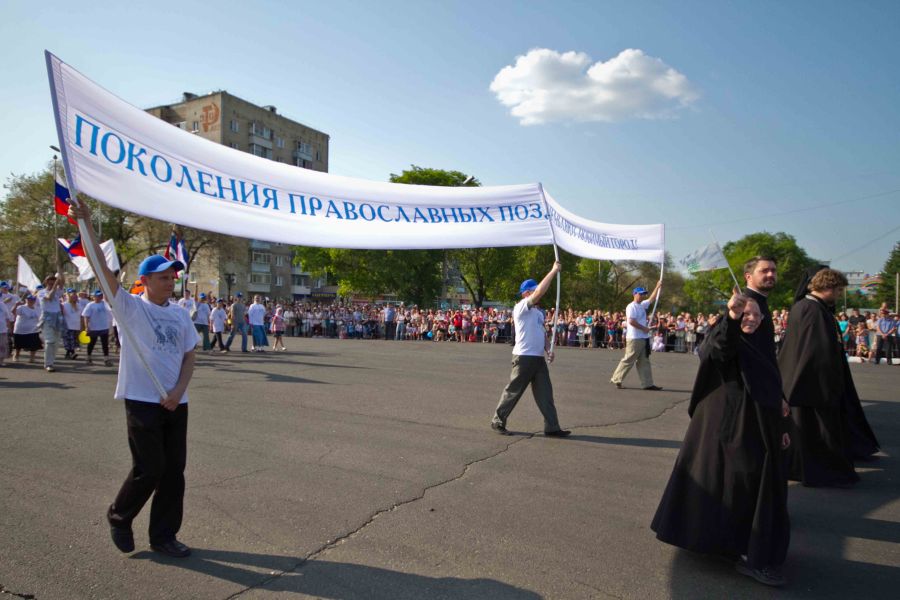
(260, 130)
(279, 260)
(300, 280)
(318, 156)
(233, 145)
(279, 142)
(279, 280)
(260, 278)
(262, 258)
(257, 150)
(235, 126)
(180, 125)
(195, 126)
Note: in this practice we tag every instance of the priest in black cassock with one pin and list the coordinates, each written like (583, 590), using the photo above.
(831, 429)
(728, 491)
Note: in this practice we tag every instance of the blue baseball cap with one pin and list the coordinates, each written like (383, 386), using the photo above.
(202, 295)
(529, 285)
(4, 284)
(70, 290)
(98, 293)
(239, 295)
(30, 297)
(157, 263)
(639, 290)
(39, 287)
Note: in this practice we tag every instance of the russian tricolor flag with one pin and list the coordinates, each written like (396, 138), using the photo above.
(61, 202)
(73, 248)
(176, 250)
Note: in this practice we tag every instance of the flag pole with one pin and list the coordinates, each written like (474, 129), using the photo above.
(719, 246)
(558, 278)
(662, 270)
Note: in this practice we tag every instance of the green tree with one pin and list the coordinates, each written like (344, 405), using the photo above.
(888, 286)
(704, 288)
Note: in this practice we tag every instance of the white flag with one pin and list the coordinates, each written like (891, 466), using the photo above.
(25, 276)
(85, 272)
(705, 259)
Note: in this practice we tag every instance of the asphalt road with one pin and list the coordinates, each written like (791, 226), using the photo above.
(367, 469)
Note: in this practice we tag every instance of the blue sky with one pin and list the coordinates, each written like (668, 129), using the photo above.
(782, 106)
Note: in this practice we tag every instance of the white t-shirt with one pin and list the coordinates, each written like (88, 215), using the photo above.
(49, 301)
(529, 322)
(73, 316)
(257, 314)
(187, 304)
(5, 317)
(217, 317)
(638, 312)
(98, 315)
(26, 320)
(202, 317)
(164, 335)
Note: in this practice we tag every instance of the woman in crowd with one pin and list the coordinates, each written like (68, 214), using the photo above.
(277, 328)
(71, 310)
(25, 328)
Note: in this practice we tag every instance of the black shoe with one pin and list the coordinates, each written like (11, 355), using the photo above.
(172, 548)
(558, 433)
(122, 538)
(652, 388)
(499, 428)
(767, 575)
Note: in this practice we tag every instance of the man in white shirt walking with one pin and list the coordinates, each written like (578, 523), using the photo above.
(637, 336)
(256, 315)
(528, 365)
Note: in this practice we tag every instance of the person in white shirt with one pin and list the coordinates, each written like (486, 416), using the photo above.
(637, 338)
(159, 340)
(256, 315)
(217, 319)
(51, 317)
(96, 323)
(6, 317)
(72, 316)
(529, 366)
(201, 320)
(25, 328)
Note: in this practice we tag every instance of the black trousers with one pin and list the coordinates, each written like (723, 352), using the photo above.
(103, 335)
(158, 441)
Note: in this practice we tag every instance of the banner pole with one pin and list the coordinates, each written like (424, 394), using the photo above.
(87, 234)
(719, 246)
(662, 271)
(558, 278)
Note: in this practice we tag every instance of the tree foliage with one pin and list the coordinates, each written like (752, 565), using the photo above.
(888, 286)
(703, 289)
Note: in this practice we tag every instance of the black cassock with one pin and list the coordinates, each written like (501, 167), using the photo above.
(728, 491)
(830, 426)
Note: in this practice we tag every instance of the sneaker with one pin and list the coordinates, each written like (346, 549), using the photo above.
(122, 538)
(652, 388)
(499, 428)
(51, 369)
(172, 548)
(766, 575)
(90, 361)
(561, 433)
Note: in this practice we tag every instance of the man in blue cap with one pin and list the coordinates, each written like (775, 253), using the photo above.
(528, 365)
(637, 338)
(160, 332)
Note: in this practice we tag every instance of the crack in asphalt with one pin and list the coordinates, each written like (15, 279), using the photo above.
(4, 590)
(331, 544)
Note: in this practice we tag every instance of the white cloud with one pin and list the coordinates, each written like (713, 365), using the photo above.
(545, 85)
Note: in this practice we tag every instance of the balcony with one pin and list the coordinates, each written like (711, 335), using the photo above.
(303, 154)
(259, 287)
(298, 270)
(300, 290)
(260, 245)
(260, 267)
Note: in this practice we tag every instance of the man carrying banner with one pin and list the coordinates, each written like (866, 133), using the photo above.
(637, 337)
(160, 332)
(529, 366)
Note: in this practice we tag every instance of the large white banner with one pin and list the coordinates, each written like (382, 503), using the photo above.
(129, 159)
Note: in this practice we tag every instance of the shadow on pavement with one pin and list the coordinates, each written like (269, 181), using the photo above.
(278, 377)
(615, 441)
(334, 580)
(837, 549)
(27, 385)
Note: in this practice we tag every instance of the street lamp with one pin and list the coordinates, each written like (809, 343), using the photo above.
(229, 281)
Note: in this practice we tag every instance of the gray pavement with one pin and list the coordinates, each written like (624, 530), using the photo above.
(367, 469)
